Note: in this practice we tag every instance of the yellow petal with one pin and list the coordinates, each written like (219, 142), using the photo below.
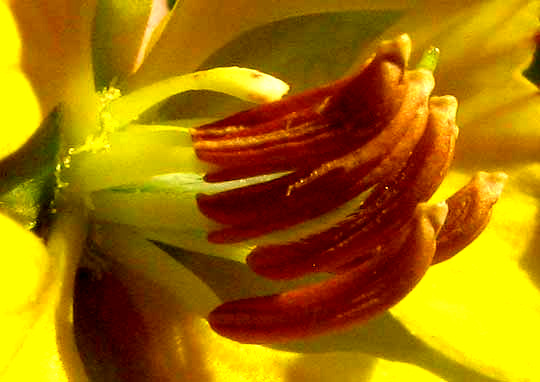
(225, 360)
(19, 106)
(47, 354)
(55, 48)
(36, 324)
(162, 305)
(468, 33)
(482, 308)
(24, 272)
(20, 111)
(11, 40)
(485, 45)
(119, 29)
(197, 28)
(180, 345)
(501, 123)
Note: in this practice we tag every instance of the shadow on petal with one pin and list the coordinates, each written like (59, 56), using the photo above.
(134, 334)
(383, 337)
(305, 52)
(530, 261)
(331, 367)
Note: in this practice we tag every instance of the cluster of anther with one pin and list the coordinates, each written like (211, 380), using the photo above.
(378, 130)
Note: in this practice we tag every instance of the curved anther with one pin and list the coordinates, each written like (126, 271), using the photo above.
(376, 139)
(349, 298)
(307, 193)
(327, 121)
(378, 223)
(469, 211)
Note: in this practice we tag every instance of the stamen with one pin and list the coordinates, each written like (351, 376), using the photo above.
(328, 121)
(378, 130)
(246, 84)
(350, 298)
(377, 222)
(331, 180)
(316, 187)
(107, 156)
(469, 213)
(151, 152)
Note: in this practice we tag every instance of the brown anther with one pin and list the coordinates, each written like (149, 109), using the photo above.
(377, 132)
(379, 221)
(469, 211)
(346, 299)
(327, 180)
(328, 121)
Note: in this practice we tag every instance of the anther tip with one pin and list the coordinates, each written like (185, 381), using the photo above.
(401, 47)
(494, 181)
(435, 214)
(448, 104)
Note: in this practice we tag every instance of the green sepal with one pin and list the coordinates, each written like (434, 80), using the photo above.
(27, 177)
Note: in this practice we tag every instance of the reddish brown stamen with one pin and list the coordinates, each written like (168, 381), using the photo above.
(469, 211)
(346, 299)
(327, 122)
(305, 194)
(377, 223)
(375, 131)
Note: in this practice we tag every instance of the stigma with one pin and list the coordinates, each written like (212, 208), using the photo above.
(377, 133)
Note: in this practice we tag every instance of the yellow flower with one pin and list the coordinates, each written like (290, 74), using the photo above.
(472, 317)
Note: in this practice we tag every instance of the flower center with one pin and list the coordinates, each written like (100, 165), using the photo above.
(333, 180)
